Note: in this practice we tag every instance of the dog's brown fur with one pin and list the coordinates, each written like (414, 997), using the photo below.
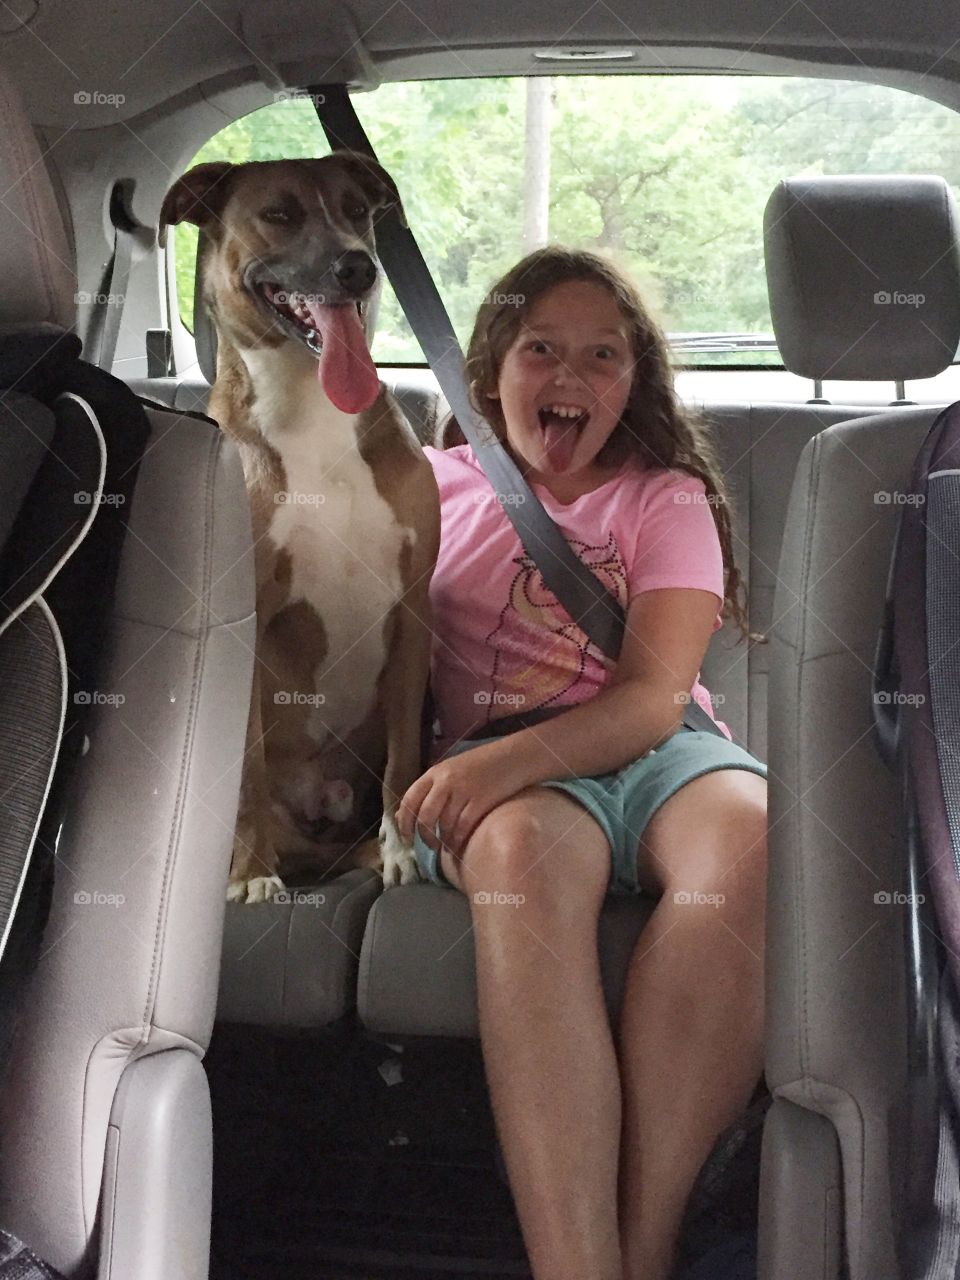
(342, 605)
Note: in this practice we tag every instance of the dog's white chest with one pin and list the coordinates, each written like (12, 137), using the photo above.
(345, 546)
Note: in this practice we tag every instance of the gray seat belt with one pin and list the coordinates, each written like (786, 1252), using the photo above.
(108, 307)
(587, 601)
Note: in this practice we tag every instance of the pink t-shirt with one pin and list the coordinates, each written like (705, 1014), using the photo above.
(502, 643)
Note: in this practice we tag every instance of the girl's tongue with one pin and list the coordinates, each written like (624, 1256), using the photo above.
(560, 437)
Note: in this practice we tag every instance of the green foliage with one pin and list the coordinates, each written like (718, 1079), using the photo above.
(668, 174)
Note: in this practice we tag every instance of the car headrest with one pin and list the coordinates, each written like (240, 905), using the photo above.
(863, 275)
(37, 269)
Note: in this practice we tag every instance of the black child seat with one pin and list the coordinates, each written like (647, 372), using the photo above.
(106, 1151)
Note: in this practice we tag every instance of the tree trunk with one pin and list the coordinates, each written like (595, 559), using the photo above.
(613, 218)
(536, 169)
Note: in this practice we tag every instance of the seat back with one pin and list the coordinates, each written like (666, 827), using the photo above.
(105, 1159)
(836, 1061)
(836, 965)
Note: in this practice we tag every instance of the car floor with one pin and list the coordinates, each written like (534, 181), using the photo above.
(341, 1157)
(337, 1157)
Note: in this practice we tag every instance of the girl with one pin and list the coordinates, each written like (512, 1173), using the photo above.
(603, 1132)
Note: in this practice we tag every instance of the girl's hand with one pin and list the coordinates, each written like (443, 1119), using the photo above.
(458, 793)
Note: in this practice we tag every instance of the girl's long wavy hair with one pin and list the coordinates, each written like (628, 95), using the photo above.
(655, 428)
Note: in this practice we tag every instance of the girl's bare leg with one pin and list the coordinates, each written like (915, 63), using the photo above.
(535, 872)
(691, 1032)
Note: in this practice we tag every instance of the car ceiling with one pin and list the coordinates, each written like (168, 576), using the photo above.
(141, 56)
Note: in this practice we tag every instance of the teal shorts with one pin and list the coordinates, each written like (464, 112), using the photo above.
(623, 802)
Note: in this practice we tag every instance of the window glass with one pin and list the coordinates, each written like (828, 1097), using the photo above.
(669, 174)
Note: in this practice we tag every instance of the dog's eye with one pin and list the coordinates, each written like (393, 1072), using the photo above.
(355, 210)
(279, 216)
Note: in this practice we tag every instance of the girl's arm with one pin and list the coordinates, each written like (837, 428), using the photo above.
(664, 642)
(665, 638)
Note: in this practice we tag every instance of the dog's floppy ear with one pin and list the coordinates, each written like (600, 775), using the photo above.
(198, 196)
(374, 180)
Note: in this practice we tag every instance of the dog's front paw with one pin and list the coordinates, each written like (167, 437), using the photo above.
(256, 889)
(399, 862)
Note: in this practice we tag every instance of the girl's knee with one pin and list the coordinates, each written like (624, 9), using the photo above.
(507, 842)
(497, 849)
(536, 843)
(711, 836)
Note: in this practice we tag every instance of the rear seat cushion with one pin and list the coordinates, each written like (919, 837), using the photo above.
(296, 965)
(292, 962)
(435, 993)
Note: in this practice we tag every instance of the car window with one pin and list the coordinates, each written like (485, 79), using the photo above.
(669, 174)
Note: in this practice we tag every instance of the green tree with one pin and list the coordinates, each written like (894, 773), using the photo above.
(668, 174)
(658, 179)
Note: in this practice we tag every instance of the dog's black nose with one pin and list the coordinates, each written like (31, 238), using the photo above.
(355, 271)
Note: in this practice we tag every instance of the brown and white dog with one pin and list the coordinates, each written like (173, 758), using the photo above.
(345, 510)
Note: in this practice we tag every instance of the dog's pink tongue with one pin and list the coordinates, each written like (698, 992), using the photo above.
(560, 440)
(348, 374)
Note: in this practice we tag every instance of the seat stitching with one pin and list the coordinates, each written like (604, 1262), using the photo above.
(200, 652)
(371, 926)
(341, 908)
(186, 631)
(802, 986)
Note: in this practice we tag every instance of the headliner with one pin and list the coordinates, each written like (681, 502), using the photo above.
(157, 52)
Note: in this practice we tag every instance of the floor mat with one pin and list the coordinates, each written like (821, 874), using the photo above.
(340, 1158)
(343, 1158)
